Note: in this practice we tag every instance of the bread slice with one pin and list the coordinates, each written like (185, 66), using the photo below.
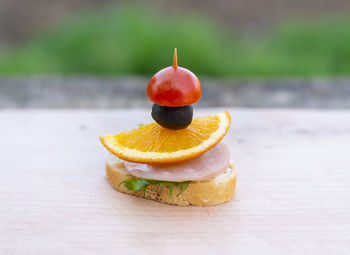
(200, 193)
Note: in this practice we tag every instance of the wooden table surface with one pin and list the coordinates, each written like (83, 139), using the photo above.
(293, 188)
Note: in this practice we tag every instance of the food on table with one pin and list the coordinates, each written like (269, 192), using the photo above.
(175, 160)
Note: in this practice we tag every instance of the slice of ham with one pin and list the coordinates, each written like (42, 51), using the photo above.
(203, 168)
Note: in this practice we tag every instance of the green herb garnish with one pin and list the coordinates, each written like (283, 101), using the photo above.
(136, 185)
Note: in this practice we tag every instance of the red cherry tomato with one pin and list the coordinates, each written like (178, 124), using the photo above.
(174, 86)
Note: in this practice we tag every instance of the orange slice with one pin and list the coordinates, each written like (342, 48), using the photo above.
(152, 143)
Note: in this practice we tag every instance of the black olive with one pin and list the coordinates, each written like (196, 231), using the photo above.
(172, 117)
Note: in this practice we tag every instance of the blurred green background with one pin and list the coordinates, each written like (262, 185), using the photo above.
(136, 39)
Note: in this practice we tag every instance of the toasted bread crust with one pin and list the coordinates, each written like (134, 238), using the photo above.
(200, 193)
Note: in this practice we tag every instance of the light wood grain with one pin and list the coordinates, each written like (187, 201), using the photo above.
(293, 188)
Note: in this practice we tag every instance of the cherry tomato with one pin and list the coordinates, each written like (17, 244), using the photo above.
(174, 86)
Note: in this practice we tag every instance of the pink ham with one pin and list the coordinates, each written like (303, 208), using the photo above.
(205, 167)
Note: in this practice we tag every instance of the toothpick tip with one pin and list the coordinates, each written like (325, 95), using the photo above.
(175, 59)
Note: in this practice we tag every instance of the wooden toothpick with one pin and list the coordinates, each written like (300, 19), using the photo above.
(175, 59)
